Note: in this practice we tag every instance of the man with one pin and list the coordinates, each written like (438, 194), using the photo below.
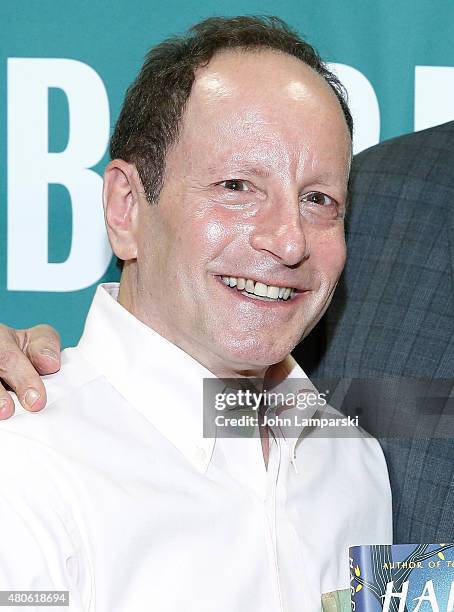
(225, 198)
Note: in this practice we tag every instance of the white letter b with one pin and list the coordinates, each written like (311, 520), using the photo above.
(31, 168)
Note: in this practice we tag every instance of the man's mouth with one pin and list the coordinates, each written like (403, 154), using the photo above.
(257, 290)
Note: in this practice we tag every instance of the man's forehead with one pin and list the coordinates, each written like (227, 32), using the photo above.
(227, 68)
(262, 106)
(252, 79)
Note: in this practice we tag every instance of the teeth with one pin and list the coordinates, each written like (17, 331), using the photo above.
(259, 289)
(272, 292)
(250, 286)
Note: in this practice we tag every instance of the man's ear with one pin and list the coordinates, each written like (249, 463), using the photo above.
(121, 193)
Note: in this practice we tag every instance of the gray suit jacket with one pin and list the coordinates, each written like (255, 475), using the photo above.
(392, 321)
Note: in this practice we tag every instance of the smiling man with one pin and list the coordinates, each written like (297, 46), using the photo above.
(247, 196)
(225, 198)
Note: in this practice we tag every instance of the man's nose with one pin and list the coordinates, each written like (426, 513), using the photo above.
(280, 231)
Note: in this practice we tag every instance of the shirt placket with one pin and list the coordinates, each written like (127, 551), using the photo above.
(270, 505)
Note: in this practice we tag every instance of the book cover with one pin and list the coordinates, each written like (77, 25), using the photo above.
(402, 578)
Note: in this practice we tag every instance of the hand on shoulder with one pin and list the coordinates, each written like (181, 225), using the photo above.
(25, 355)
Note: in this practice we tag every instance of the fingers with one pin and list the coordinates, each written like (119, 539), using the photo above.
(6, 404)
(43, 348)
(16, 370)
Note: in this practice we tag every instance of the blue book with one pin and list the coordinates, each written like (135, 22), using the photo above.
(402, 578)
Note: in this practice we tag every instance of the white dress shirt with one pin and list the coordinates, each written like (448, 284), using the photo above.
(113, 493)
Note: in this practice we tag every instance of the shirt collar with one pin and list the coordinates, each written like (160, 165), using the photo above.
(159, 379)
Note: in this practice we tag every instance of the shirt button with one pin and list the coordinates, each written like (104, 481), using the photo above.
(200, 455)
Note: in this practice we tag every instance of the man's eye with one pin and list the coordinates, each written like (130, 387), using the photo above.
(235, 185)
(316, 197)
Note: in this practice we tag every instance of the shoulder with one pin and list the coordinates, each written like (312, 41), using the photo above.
(75, 371)
(397, 179)
(400, 154)
(85, 418)
(35, 446)
(28, 440)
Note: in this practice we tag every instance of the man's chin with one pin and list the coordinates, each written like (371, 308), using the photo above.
(253, 357)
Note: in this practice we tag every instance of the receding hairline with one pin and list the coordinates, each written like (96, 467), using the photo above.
(264, 50)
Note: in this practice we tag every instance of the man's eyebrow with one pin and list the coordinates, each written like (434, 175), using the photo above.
(325, 179)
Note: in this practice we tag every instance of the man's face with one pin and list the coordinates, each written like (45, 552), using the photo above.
(254, 189)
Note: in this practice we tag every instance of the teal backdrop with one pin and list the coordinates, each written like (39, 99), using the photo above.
(55, 116)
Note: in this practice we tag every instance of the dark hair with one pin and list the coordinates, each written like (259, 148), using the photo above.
(150, 117)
